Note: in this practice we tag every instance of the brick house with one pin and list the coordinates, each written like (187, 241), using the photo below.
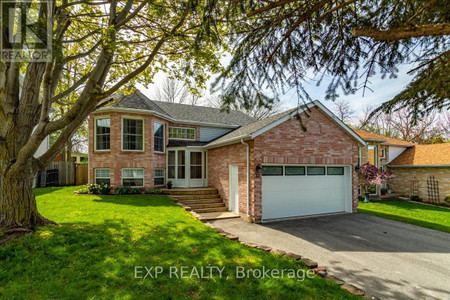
(266, 169)
(413, 166)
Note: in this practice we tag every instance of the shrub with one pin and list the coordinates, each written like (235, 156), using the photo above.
(154, 191)
(122, 190)
(416, 198)
(83, 191)
(93, 188)
(447, 199)
(360, 198)
(104, 189)
(135, 191)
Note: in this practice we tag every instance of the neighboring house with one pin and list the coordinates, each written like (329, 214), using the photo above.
(43, 147)
(412, 164)
(79, 158)
(414, 167)
(380, 151)
(263, 169)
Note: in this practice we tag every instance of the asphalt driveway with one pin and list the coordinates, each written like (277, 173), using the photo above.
(387, 259)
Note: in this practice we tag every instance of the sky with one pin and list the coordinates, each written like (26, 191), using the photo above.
(381, 91)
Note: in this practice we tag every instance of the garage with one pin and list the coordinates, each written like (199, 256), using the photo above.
(304, 190)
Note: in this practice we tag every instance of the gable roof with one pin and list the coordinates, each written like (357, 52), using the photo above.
(204, 114)
(184, 113)
(369, 136)
(252, 130)
(424, 155)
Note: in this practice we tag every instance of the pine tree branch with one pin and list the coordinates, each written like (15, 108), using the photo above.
(403, 32)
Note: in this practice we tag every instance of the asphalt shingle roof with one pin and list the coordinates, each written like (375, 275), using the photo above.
(365, 135)
(251, 128)
(185, 112)
(424, 155)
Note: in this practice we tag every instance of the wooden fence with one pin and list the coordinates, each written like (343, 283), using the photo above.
(69, 173)
(81, 174)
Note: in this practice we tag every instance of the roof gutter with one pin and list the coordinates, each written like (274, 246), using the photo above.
(227, 142)
(418, 166)
(162, 116)
(248, 176)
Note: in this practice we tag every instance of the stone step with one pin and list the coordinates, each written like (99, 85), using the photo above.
(194, 197)
(206, 205)
(199, 191)
(207, 210)
(201, 201)
(219, 215)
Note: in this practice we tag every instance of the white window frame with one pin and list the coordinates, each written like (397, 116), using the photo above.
(143, 132)
(186, 128)
(95, 133)
(383, 153)
(95, 175)
(163, 176)
(143, 176)
(164, 137)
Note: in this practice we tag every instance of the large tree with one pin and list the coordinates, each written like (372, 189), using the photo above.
(98, 48)
(280, 44)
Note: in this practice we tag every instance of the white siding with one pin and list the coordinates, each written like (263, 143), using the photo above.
(43, 147)
(210, 133)
(394, 152)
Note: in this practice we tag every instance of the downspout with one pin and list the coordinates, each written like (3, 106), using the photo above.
(248, 176)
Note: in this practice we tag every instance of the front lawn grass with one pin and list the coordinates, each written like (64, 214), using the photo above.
(93, 255)
(428, 216)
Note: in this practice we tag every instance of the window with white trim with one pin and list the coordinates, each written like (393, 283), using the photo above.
(102, 176)
(158, 134)
(383, 153)
(159, 177)
(181, 133)
(133, 177)
(102, 134)
(133, 134)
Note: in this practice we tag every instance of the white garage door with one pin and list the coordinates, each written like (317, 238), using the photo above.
(291, 191)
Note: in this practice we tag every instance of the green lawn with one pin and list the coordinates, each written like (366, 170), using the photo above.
(428, 216)
(93, 255)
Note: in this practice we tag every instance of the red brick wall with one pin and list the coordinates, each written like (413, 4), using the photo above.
(116, 159)
(219, 160)
(324, 142)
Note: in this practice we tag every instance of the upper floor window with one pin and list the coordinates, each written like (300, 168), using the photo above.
(159, 137)
(102, 134)
(182, 133)
(133, 134)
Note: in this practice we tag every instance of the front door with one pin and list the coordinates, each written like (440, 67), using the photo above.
(186, 168)
(234, 188)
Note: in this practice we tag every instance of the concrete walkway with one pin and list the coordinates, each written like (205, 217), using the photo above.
(387, 259)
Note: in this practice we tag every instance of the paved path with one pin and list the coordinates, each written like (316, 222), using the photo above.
(387, 259)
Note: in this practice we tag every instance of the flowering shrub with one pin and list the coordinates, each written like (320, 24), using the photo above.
(104, 189)
(93, 188)
(123, 190)
(84, 190)
(371, 175)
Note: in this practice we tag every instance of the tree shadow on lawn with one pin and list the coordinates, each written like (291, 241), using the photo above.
(135, 200)
(414, 206)
(86, 261)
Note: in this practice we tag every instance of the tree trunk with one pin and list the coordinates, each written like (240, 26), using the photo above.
(17, 203)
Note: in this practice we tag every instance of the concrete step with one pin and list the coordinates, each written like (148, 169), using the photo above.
(201, 201)
(206, 205)
(219, 215)
(207, 210)
(196, 191)
(194, 197)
